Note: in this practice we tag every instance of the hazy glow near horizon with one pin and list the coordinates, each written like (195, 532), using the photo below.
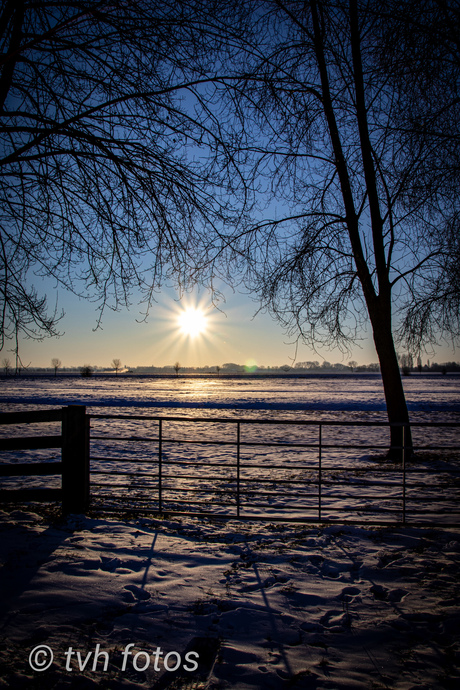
(213, 336)
(192, 322)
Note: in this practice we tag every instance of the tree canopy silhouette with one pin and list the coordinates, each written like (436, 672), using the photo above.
(350, 139)
(100, 186)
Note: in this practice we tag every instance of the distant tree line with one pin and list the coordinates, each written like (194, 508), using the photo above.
(232, 368)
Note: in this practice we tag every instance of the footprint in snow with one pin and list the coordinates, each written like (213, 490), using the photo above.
(397, 595)
(348, 594)
(335, 621)
(384, 594)
(110, 564)
(135, 593)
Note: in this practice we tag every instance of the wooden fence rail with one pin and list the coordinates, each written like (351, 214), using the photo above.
(73, 467)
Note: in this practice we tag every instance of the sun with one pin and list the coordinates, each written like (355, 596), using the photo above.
(192, 322)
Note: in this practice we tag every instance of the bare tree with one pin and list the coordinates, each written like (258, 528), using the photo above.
(419, 56)
(100, 187)
(116, 364)
(364, 228)
(177, 368)
(55, 363)
(6, 364)
(406, 361)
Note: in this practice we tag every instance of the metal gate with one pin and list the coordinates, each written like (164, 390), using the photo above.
(274, 469)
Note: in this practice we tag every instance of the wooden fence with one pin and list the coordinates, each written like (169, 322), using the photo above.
(73, 466)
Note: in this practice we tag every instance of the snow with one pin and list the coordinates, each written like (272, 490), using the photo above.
(364, 393)
(257, 604)
(280, 606)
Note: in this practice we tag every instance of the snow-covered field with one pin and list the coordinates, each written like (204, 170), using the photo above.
(240, 605)
(315, 394)
(202, 472)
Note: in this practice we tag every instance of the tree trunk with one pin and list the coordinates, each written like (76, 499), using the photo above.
(379, 305)
(398, 413)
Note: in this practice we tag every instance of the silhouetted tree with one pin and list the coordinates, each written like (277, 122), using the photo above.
(420, 58)
(407, 363)
(116, 364)
(55, 363)
(364, 226)
(177, 367)
(86, 371)
(6, 364)
(99, 107)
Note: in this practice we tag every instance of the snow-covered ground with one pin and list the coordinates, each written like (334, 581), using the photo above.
(260, 605)
(231, 604)
(275, 480)
(316, 394)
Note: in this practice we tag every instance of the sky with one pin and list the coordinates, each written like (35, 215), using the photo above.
(233, 333)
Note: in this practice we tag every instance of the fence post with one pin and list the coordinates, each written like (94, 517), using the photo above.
(237, 469)
(404, 473)
(160, 460)
(75, 459)
(319, 470)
